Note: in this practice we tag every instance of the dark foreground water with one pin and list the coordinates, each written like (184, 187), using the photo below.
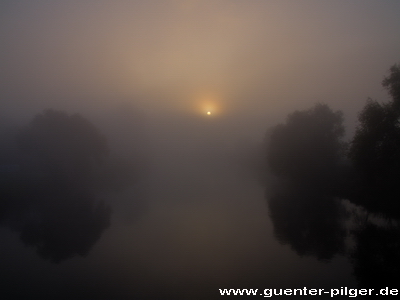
(197, 222)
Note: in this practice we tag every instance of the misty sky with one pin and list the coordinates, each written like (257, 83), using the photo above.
(234, 57)
(146, 73)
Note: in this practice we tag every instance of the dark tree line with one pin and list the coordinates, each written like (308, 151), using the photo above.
(315, 170)
(308, 149)
(375, 151)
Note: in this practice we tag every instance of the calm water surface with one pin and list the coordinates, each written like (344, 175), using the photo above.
(197, 221)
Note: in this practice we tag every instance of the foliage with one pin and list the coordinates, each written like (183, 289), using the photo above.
(57, 144)
(375, 150)
(48, 197)
(392, 84)
(308, 147)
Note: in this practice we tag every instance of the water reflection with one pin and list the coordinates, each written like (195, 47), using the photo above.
(320, 225)
(311, 223)
(376, 255)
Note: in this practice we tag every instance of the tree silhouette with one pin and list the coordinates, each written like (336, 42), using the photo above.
(65, 147)
(308, 148)
(392, 84)
(49, 198)
(375, 151)
(312, 175)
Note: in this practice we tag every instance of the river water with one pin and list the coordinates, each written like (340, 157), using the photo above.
(196, 222)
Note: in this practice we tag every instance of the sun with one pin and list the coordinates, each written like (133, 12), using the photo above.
(207, 104)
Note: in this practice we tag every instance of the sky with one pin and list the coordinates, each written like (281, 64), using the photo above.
(263, 58)
(146, 73)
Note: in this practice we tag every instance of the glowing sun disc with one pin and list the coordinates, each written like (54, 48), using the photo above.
(209, 113)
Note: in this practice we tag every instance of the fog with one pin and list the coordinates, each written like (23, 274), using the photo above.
(134, 136)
